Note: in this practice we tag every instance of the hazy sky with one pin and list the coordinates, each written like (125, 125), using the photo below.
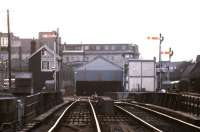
(111, 21)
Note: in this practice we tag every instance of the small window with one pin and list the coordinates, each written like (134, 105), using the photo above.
(45, 65)
(98, 47)
(86, 47)
(92, 47)
(44, 52)
(72, 58)
(124, 47)
(67, 58)
(106, 47)
(113, 47)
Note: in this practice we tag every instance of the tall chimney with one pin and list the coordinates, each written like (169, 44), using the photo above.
(33, 46)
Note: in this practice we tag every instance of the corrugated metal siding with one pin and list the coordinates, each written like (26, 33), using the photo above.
(106, 75)
(87, 88)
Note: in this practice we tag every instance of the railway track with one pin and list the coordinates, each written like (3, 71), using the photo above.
(82, 116)
(120, 121)
(78, 116)
(159, 120)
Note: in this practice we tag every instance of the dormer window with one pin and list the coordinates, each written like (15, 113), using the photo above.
(44, 52)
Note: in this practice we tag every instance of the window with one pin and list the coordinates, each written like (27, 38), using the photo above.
(98, 47)
(73, 47)
(67, 59)
(45, 65)
(77, 47)
(86, 47)
(4, 41)
(106, 47)
(123, 47)
(92, 47)
(118, 47)
(113, 47)
(44, 52)
(72, 58)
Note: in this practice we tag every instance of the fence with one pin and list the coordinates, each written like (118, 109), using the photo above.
(180, 102)
(39, 103)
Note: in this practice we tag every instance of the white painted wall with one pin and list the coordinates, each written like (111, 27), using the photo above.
(142, 75)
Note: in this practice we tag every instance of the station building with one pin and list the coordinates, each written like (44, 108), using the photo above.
(98, 77)
(81, 55)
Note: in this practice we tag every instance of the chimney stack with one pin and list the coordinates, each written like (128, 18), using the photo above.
(33, 46)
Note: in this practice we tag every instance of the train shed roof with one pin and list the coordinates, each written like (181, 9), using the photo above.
(99, 63)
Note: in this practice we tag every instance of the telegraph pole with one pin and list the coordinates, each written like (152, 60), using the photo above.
(9, 49)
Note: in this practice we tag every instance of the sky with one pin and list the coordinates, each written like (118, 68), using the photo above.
(111, 21)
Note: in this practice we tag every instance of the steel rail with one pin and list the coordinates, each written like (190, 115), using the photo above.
(139, 119)
(95, 117)
(59, 119)
(164, 115)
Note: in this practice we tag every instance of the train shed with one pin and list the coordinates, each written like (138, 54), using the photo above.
(98, 76)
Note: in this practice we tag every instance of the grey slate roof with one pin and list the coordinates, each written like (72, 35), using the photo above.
(99, 69)
(99, 63)
(47, 48)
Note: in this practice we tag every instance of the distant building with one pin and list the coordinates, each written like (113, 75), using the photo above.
(15, 46)
(15, 50)
(49, 39)
(77, 54)
(20, 51)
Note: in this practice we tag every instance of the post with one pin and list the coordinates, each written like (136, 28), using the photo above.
(9, 48)
(160, 61)
(55, 66)
(56, 50)
(170, 55)
(75, 82)
(168, 70)
(1, 60)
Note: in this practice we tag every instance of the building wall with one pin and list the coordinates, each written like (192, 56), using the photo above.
(142, 75)
(73, 53)
(49, 39)
(34, 66)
